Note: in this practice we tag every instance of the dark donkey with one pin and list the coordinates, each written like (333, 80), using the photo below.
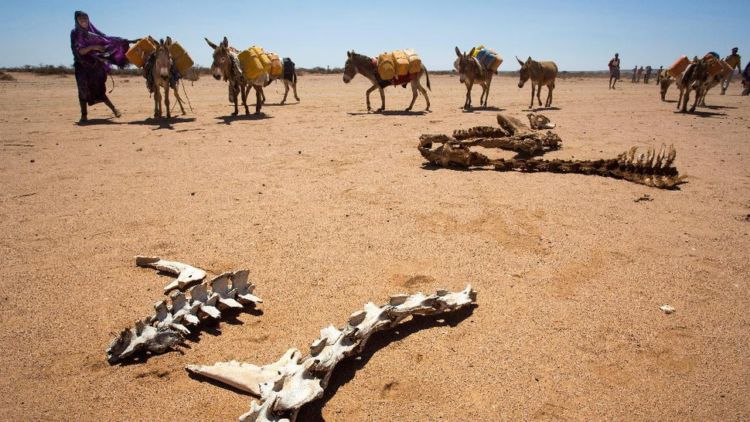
(226, 65)
(288, 77)
(541, 73)
(470, 71)
(359, 63)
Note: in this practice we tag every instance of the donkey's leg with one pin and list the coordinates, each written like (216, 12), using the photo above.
(258, 98)
(548, 103)
(367, 95)
(467, 100)
(531, 105)
(424, 92)
(245, 92)
(539, 94)
(685, 100)
(294, 87)
(262, 94)
(286, 90)
(179, 100)
(157, 101)
(413, 94)
(382, 99)
(698, 94)
(166, 100)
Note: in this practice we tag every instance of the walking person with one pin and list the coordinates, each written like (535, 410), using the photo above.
(735, 62)
(93, 54)
(640, 74)
(635, 72)
(614, 71)
(658, 74)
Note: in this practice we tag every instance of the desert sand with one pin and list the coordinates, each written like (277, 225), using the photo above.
(329, 207)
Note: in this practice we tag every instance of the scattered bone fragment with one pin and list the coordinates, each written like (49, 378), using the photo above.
(181, 314)
(286, 385)
(540, 121)
(186, 274)
(667, 309)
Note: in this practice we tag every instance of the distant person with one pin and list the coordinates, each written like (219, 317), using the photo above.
(658, 75)
(614, 71)
(93, 54)
(640, 74)
(635, 73)
(735, 62)
(647, 76)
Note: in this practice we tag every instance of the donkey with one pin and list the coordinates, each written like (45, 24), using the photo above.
(541, 73)
(367, 66)
(471, 71)
(288, 77)
(226, 65)
(696, 78)
(159, 73)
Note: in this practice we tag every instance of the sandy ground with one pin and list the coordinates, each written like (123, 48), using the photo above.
(330, 207)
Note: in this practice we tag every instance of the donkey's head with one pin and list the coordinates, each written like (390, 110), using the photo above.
(222, 60)
(350, 67)
(163, 60)
(525, 71)
(466, 65)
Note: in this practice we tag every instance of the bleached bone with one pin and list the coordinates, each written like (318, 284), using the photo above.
(540, 121)
(286, 385)
(244, 288)
(178, 317)
(186, 274)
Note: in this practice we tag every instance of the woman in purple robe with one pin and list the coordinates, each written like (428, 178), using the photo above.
(94, 53)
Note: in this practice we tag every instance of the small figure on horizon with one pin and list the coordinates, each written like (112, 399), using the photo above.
(658, 74)
(647, 76)
(735, 62)
(635, 73)
(614, 71)
(640, 75)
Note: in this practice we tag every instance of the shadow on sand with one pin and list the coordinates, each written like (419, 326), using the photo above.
(163, 123)
(347, 369)
(701, 113)
(390, 113)
(542, 109)
(97, 122)
(228, 120)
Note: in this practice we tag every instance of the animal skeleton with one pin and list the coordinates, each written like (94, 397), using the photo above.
(650, 169)
(182, 313)
(284, 386)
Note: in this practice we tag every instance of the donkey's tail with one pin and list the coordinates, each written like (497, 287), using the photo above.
(427, 75)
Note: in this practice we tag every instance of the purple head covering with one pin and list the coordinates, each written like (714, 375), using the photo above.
(114, 47)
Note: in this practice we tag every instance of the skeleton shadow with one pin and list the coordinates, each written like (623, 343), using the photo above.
(228, 120)
(162, 123)
(347, 369)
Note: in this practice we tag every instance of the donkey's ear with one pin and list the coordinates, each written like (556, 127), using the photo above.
(458, 52)
(471, 53)
(225, 42)
(161, 41)
(528, 60)
(169, 41)
(519, 61)
(349, 53)
(210, 44)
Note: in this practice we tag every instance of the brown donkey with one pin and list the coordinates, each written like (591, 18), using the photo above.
(470, 71)
(162, 75)
(226, 65)
(540, 73)
(359, 63)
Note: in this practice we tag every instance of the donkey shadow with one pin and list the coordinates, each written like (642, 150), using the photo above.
(702, 114)
(228, 120)
(719, 107)
(542, 109)
(347, 369)
(480, 109)
(97, 122)
(390, 113)
(163, 123)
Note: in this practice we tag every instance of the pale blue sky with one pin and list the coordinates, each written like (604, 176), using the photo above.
(578, 35)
